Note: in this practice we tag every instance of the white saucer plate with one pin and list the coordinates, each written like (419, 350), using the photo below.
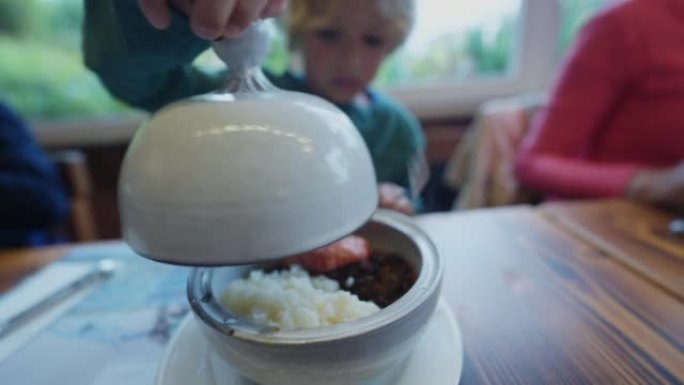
(437, 356)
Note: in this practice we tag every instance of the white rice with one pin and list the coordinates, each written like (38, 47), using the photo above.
(291, 299)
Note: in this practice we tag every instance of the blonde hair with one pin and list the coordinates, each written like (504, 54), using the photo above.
(306, 15)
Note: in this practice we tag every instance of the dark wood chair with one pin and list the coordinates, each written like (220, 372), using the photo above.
(80, 225)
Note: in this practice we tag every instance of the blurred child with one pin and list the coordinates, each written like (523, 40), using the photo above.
(342, 44)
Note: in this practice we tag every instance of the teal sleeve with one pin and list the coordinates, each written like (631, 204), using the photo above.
(403, 144)
(140, 65)
(408, 153)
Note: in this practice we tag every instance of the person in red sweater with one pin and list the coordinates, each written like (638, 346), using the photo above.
(614, 125)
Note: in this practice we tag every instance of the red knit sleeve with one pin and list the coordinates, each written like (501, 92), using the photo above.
(551, 159)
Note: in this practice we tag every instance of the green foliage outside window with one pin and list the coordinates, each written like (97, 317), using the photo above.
(41, 68)
(575, 14)
(478, 53)
(454, 55)
(43, 81)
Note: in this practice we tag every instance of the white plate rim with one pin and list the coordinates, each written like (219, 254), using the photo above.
(456, 365)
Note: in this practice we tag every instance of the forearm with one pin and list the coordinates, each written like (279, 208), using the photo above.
(571, 178)
(151, 91)
(140, 65)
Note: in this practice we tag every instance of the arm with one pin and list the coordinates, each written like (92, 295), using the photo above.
(31, 196)
(142, 66)
(398, 146)
(148, 68)
(401, 166)
(590, 87)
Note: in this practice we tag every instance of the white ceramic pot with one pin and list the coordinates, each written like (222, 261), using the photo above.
(359, 352)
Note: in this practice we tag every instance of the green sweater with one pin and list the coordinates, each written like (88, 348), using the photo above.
(148, 68)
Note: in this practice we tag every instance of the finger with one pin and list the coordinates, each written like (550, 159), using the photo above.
(209, 17)
(385, 200)
(403, 205)
(246, 12)
(156, 12)
(390, 192)
(183, 6)
(680, 168)
(273, 8)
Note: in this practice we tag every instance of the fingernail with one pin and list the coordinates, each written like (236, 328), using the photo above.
(159, 21)
(269, 12)
(206, 33)
(273, 9)
(232, 32)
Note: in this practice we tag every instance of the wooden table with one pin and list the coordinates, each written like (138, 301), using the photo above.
(538, 305)
(637, 236)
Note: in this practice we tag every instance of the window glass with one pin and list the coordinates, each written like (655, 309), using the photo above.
(42, 74)
(574, 14)
(464, 40)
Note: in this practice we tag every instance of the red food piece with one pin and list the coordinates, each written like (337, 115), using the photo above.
(343, 252)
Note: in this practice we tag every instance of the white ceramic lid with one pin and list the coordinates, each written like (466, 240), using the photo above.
(248, 173)
(228, 179)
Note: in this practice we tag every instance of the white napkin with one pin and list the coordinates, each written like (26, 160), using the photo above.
(34, 289)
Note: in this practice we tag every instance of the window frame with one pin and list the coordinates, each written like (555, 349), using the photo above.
(533, 67)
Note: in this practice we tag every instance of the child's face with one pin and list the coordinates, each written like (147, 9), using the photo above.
(342, 58)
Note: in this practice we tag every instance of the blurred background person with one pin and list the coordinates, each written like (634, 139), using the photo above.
(32, 199)
(614, 125)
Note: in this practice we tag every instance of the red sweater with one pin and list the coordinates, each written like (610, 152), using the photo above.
(617, 107)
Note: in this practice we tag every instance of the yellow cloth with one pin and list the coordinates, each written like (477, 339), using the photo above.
(482, 166)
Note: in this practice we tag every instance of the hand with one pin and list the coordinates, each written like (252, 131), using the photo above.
(212, 19)
(394, 197)
(665, 187)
